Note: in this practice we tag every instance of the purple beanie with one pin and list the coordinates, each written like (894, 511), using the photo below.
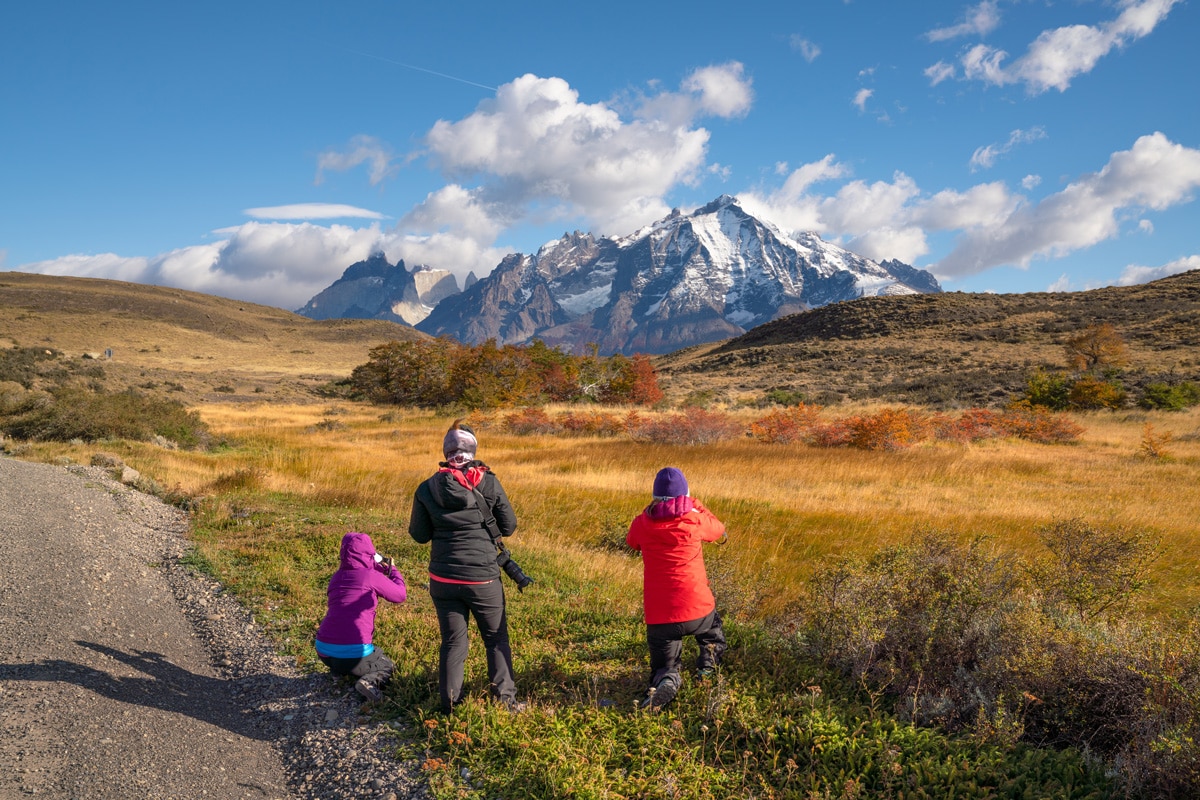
(669, 482)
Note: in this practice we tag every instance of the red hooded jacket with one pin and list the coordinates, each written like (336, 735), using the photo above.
(669, 534)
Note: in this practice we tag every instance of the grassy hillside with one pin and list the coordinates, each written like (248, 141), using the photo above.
(953, 348)
(865, 661)
(948, 349)
(200, 346)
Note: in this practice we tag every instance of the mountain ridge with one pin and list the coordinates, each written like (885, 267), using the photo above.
(686, 279)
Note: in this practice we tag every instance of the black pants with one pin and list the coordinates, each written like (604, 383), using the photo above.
(666, 646)
(455, 603)
(376, 668)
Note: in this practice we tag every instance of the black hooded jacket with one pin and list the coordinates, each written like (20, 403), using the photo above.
(446, 513)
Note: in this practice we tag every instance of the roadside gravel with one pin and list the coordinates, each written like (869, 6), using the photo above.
(124, 674)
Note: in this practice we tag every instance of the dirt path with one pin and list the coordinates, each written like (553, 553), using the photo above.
(124, 676)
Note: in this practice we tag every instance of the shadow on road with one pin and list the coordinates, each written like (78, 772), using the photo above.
(165, 686)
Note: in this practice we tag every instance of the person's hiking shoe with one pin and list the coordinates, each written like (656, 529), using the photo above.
(659, 696)
(704, 673)
(514, 706)
(368, 690)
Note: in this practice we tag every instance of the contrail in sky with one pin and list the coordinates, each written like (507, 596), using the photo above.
(422, 69)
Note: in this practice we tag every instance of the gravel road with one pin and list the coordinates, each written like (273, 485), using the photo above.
(125, 675)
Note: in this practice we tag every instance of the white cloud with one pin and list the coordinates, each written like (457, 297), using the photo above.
(939, 72)
(1145, 226)
(1058, 56)
(985, 157)
(1063, 284)
(980, 20)
(1137, 274)
(312, 211)
(362, 150)
(535, 151)
(274, 264)
(861, 97)
(1030, 182)
(722, 90)
(993, 225)
(805, 48)
(1155, 173)
(907, 244)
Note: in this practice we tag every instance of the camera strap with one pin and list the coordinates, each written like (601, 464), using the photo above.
(489, 520)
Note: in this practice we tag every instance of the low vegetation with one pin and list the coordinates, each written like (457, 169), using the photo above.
(442, 372)
(75, 413)
(1028, 647)
(963, 538)
(880, 429)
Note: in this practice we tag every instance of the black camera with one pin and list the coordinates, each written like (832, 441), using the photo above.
(513, 570)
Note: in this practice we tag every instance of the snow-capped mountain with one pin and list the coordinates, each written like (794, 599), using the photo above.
(375, 289)
(685, 280)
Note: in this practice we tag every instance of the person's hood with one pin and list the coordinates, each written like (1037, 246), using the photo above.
(454, 489)
(449, 493)
(674, 507)
(358, 551)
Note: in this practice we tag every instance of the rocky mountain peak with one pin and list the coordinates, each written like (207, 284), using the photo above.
(686, 279)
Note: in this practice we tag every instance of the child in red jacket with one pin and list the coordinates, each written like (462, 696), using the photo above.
(678, 601)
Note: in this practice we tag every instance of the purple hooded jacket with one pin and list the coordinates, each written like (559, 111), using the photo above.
(354, 592)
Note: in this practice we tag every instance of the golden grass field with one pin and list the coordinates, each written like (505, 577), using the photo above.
(786, 506)
(196, 342)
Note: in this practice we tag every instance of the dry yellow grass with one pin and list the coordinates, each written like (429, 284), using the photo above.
(786, 506)
(196, 342)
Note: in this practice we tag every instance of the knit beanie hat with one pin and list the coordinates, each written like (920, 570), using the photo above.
(460, 445)
(669, 482)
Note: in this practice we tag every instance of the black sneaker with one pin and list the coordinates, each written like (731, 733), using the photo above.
(662, 694)
(370, 691)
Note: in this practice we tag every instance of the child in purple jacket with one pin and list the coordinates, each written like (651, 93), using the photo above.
(344, 638)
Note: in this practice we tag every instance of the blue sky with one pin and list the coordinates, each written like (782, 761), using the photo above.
(254, 150)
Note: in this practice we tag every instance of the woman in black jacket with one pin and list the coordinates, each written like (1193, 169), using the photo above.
(464, 579)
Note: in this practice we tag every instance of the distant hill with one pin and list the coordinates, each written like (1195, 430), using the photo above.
(951, 348)
(945, 349)
(197, 345)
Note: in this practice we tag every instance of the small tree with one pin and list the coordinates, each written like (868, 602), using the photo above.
(1095, 347)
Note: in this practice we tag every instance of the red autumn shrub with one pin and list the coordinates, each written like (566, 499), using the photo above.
(972, 425)
(590, 423)
(529, 422)
(787, 425)
(1037, 424)
(888, 429)
(695, 427)
(832, 434)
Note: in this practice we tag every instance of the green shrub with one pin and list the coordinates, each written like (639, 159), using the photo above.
(1170, 397)
(1049, 390)
(967, 637)
(69, 413)
(24, 365)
